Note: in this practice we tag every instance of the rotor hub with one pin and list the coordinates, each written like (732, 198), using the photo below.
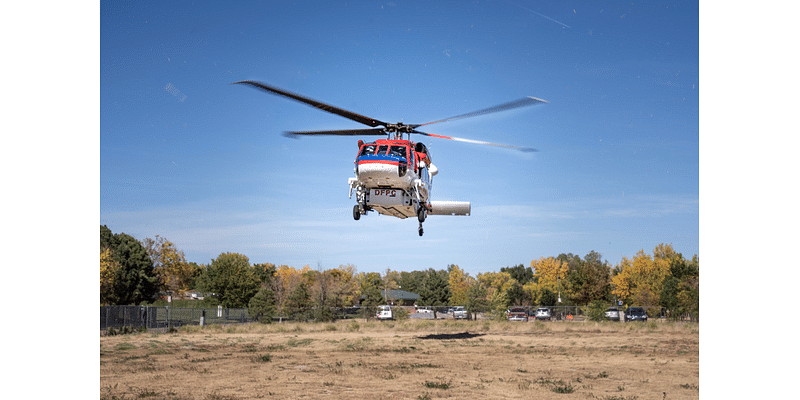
(399, 128)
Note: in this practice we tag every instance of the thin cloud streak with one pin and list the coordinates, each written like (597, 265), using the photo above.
(539, 14)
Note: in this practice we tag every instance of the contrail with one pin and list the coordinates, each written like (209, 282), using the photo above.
(539, 14)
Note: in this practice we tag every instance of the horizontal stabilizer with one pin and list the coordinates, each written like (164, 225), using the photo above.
(450, 208)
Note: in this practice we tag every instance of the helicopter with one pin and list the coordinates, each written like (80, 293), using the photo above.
(394, 176)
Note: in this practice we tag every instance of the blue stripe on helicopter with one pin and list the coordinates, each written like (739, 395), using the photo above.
(380, 158)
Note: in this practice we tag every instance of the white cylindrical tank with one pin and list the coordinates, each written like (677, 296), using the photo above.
(450, 208)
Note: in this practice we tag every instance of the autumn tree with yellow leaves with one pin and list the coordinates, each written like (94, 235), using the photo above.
(108, 268)
(640, 280)
(175, 275)
(285, 282)
(459, 284)
(345, 287)
(548, 275)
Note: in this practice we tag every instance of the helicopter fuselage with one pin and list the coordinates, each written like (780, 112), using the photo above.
(393, 177)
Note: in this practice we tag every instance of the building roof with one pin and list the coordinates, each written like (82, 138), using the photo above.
(399, 295)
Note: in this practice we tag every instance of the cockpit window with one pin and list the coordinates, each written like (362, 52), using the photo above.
(367, 150)
(382, 149)
(398, 151)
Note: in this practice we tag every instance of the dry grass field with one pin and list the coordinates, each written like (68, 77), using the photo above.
(411, 359)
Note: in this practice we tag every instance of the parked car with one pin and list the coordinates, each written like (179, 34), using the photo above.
(517, 314)
(635, 314)
(384, 313)
(424, 310)
(612, 314)
(543, 313)
(459, 313)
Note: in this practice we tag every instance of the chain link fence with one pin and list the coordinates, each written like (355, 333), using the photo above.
(163, 318)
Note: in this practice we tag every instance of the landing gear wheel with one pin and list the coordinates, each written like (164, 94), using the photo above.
(421, 215)
(420, 231)
(356, 213)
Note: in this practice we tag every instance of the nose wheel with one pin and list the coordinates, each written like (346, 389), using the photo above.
(359, 210)
(420, 228)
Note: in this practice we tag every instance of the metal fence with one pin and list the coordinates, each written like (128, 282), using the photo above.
(162, 318)
(156, 318)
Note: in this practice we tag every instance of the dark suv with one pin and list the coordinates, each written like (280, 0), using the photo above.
(635, 314)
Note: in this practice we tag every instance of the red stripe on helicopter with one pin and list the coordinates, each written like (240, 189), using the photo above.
(440, 136)
(379, 162)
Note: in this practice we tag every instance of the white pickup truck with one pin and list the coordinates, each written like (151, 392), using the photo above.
(384, 313)
(459, 313)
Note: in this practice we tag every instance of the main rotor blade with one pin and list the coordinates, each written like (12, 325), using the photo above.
(344, 132)
(527, 101)
(322, 106)
(523, 149)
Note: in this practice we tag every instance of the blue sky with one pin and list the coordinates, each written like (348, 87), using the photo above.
(186, 155)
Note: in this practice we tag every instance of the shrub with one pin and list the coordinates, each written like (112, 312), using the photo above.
(262, 358)
(400, 313)
(323, 314)
(596, 310)
(354, 326)
(437, 385)
(561, 387)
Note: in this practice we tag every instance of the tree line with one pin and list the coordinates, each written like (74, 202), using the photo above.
(138, 272)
